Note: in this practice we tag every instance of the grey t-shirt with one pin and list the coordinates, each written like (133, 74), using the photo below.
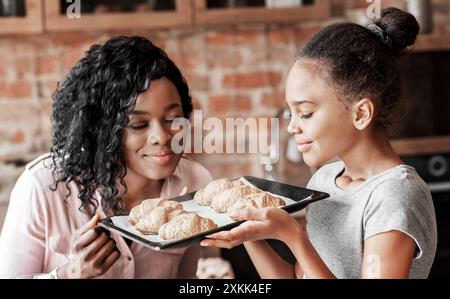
(397, 199)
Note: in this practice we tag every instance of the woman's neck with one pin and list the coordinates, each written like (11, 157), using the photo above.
(370, 156)
(138, 189)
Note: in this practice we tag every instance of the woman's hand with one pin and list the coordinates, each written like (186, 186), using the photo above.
(261, 224)
(93, 252)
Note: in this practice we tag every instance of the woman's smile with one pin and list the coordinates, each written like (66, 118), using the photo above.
(161, 158)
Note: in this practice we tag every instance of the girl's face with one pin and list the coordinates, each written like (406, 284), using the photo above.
(322, 126)
(148, 134)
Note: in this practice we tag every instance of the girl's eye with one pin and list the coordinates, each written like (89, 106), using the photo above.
(306, 116)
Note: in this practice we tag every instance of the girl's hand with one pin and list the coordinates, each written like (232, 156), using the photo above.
(93, 252)
(261, 224)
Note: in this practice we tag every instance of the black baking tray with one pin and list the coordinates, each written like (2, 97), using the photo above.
(302, 197)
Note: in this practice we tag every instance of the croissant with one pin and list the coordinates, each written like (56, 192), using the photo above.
(204, 196)
(185, 225)
(258, 200)
(150, 223)
(146, 206)
(227, 198)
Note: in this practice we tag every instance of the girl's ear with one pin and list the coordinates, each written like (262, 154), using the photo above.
(362, 113)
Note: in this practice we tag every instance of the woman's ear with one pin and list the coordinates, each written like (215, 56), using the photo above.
(362, 113)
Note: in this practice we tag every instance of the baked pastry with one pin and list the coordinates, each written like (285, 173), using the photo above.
(204, 196)
(223, 201)
(146, 206)
(258, 200)
(185, 225)
(150, 223)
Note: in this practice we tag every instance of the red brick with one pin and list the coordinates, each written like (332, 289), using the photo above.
(232, 36)
(224, 57)
(251, 80)
(18, 137)
(196, 81)
(280, 36)
(2, 70)
(47, 65)
(224, 103)
(273, 100)
(23, 66)
(303, 34)
(71, 58)
(16, 90)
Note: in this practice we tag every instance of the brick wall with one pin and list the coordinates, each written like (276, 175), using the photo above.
(232, 71)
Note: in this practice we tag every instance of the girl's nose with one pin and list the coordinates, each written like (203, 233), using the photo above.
(158, 134)
(293, 127)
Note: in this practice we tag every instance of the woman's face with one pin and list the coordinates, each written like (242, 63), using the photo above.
(322, 126)
(148, 134)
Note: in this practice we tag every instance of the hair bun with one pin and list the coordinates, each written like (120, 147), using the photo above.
(401, 28)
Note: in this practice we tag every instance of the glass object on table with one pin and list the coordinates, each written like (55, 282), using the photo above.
(121, 6)
(12, 8)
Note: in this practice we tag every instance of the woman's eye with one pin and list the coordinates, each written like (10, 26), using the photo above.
(138, 126)
(306, 116)
(171, 119)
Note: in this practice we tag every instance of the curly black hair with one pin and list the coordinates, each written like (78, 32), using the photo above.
(91, 109)
(364, 62)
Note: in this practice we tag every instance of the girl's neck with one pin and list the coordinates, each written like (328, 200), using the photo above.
(370, 156)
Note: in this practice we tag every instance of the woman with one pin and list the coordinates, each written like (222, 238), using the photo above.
(344, 92)
(111, 149)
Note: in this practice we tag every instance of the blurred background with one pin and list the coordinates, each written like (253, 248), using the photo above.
(235, 55)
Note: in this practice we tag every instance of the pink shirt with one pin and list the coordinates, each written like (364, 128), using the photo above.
(39, 222)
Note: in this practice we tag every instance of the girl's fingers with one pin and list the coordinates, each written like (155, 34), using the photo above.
(183, 191)
(220, 243)
(249, 214)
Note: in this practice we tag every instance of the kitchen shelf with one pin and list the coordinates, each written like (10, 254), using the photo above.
(57, 22)
(432, 42)
(204, 15)
(422, 146)
(30, 23)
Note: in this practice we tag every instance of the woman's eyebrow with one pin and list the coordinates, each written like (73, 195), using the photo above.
(172, 106)
(138, 112)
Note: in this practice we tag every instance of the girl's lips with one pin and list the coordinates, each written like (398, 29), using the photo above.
(303, 147)
(161, 158)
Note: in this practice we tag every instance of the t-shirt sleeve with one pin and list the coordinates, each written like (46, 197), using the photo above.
(401, 206)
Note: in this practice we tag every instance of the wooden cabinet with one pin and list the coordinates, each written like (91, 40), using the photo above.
(51, 15)
(56, 18)
(28, 20)
(207, 14)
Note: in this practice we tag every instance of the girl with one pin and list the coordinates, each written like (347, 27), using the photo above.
(111, 149)
(344, 93)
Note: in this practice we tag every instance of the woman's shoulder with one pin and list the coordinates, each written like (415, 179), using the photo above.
(39, 170)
